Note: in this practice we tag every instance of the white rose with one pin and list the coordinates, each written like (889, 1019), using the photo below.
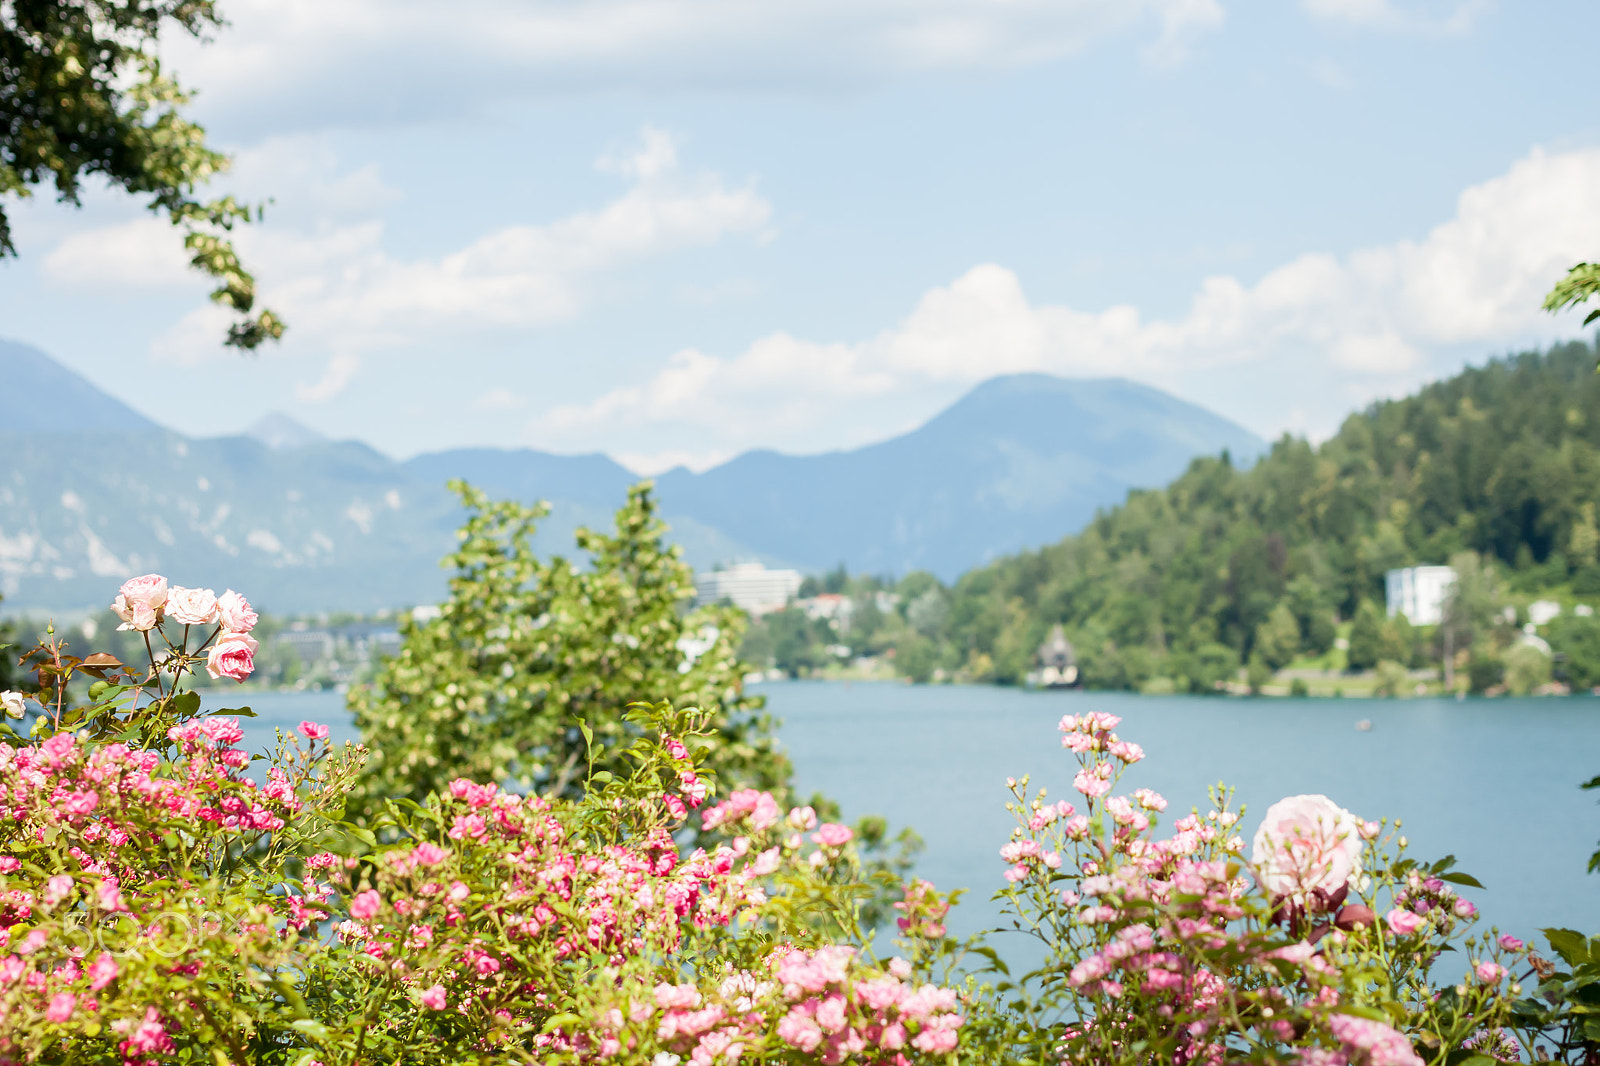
(191, 607)
(14, 704)
(1307, 844)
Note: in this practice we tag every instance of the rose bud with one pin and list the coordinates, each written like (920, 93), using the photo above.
(1354, 916)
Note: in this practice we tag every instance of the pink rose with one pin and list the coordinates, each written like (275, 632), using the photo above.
(313, 731)
(1372, 1041)
(234, 612)
(1489, 972)
(365, 905)
(1307, 844)
(1510, 943)
(61, 1007)
(109, 895)
(1403, 922)
(103, 972)
(1464, 908)
(139, 602)
(434, 998)
(430, 854)
(191, 607)
(833, 835)
(232, 656)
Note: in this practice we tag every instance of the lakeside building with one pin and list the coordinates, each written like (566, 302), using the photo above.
(339, 653)
(831, 606)
(749, 586)
(1058, 661)
(1419, 593)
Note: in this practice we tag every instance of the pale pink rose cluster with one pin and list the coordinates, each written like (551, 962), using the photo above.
(1307, 850)
(145, 602)
(139, 602)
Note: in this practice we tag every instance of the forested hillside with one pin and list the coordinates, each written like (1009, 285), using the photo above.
(1225, 566)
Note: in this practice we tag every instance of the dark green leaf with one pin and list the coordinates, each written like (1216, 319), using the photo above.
(1570, 945)
(1457, 878)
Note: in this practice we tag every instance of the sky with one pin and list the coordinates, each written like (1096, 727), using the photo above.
(675, 230)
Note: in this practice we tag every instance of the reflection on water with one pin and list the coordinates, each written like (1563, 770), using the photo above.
(1494, 782)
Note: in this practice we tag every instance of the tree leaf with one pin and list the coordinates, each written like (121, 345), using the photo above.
(1569, 944)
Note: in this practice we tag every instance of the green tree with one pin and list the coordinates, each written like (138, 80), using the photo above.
(1527, 667)
(1392, 679)
(1584, 540)
(1397, 640)
(1575, 640)
(528, 670)
(1207, 667)
(916, 657)
(1366, 637)
(1278, 638)
(1308, 599)
(83, 96)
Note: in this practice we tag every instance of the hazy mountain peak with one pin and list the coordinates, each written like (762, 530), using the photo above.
(278, 431)
(42, 396)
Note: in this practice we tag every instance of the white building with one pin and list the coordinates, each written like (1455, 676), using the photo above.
(749, 586)
(1419, 593)
(832, 606)
(1543, 612)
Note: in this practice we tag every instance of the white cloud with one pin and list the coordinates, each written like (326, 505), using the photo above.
(499, 398)
(1333, 330)
(1441, 16)
(302, 62)
(1181, 22)
(145, 252)
(344, 294)
(339, 371)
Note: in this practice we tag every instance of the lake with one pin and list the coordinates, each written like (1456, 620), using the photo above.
(1494, 782)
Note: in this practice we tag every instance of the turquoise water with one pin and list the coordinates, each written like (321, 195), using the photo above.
(1494, 782)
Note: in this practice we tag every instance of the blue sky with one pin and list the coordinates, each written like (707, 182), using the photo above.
(672, 230)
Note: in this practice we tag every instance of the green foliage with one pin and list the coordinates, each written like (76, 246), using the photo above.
(917, 658)
(1566, 1008)
(1485, 670)
(789, 641)
(82, 95)
(1278, 638)
(1308, 597)
(1575, 640)
(1581, 283)
(1392, 679)
(1492, 471)
(1527, 667)
(1207, 668)
(527, 672)
(1397, 640)
(1366, 637)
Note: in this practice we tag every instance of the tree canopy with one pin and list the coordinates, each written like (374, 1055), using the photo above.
(527, 673)
(83, 96)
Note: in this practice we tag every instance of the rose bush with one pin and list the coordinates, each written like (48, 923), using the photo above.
(159, 903)
(1176, 948)
(167, 896)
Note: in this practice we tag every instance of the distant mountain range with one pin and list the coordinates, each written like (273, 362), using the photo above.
(92, 491)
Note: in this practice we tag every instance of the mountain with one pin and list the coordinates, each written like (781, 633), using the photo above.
(1495, 471)
(305, 524)
(1015, 463)
(42, 396)
(328, 526)
(277, 430)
